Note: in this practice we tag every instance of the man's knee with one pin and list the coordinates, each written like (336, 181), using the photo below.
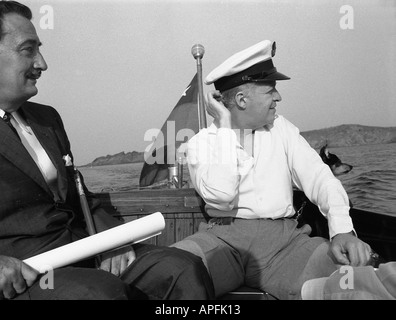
(192, 247)
(169, 273)
(222, 262)
(188, 271)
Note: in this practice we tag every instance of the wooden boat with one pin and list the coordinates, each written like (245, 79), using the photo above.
(183, 210)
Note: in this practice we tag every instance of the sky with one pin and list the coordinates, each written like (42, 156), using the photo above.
(116, 69)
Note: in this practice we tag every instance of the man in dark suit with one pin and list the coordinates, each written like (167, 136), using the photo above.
(39, 207)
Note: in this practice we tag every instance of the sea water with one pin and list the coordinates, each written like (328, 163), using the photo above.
(371, 185)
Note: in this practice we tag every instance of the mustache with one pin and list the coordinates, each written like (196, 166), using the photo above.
(34, 74)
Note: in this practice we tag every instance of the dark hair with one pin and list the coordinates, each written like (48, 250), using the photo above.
(7, 7)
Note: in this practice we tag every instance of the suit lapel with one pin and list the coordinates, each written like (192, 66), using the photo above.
(13, 150)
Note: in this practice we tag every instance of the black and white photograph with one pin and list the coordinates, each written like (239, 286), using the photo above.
(205, 150)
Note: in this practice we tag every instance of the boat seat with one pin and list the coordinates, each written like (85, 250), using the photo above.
(247, 293)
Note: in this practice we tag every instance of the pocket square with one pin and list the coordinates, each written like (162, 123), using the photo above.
(68, 160)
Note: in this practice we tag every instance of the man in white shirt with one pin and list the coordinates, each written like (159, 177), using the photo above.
(244, 166)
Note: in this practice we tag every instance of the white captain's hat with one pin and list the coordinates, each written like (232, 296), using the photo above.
(253, 64)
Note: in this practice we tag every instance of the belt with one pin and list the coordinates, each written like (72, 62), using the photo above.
(226, 221)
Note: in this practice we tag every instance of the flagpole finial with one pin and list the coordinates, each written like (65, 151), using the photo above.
(197, 51)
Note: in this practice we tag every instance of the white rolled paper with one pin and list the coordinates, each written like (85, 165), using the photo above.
(128, 233)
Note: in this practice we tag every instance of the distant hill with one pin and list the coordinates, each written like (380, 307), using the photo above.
(340, 136)
(350, 135)
(119, 158)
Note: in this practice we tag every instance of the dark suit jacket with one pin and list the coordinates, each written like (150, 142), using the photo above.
(31, 221)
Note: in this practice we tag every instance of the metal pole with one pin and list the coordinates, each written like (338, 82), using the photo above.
(198, 51)
(84, 203)
(85, 209)
(180, 173)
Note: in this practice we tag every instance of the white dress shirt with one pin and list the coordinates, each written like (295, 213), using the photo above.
(256, 181)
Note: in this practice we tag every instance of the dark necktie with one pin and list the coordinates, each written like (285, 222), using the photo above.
(7, 119)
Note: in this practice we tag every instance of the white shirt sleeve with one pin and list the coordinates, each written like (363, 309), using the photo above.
(315, 178)
(212, 161)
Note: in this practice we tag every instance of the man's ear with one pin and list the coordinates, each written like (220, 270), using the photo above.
(240, 100)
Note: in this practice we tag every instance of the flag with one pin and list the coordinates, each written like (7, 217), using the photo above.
(182, 122)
